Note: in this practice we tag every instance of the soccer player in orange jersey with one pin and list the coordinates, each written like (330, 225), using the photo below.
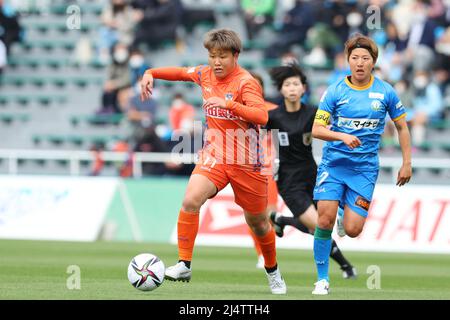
(234, 110)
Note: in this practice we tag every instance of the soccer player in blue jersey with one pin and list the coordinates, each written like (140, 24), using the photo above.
(356, 108)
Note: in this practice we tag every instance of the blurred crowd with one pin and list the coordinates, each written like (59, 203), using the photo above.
(413, 37)
(10, 31)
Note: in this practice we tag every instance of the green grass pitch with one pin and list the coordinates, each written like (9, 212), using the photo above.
(38, 270)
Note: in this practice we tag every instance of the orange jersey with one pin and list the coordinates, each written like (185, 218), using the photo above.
(232, 133)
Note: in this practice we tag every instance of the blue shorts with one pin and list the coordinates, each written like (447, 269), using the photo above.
(350, 187)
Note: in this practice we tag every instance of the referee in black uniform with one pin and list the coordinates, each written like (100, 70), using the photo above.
(291, 125)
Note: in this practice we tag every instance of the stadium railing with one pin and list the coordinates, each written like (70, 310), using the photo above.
(76, 158)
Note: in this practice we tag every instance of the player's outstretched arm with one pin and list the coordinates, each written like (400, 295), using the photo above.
(405, 172)
(166, 73)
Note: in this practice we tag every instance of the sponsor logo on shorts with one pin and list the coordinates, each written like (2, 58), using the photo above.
(362, 203)
(358, 124)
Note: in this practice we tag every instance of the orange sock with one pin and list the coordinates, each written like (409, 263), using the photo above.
(268, 248)
(255, 241)
(187, 231)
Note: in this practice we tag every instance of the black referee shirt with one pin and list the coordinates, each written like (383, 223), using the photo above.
(294, 134)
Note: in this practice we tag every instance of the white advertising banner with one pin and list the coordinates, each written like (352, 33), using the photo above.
(54, 208)
(411, 218)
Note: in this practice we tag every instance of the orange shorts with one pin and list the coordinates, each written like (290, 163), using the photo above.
(250, 188)
(272, 196)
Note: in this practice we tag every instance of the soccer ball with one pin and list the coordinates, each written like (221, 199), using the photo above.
(146, 272)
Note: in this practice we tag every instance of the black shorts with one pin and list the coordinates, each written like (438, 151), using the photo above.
(296, 186)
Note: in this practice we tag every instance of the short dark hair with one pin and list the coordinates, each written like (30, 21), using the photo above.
(281, 73)
(361, 41)
(223, 39)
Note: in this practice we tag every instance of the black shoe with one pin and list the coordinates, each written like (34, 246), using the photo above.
(279, 229)
(349, 272)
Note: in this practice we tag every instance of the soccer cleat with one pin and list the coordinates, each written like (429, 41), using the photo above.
(322, 287)
(276, 282)
(260, 264)
(340, 226)
(178, 272)
(349, 273)
(279, 229)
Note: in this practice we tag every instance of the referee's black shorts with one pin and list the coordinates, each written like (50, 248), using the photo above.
(296, 186)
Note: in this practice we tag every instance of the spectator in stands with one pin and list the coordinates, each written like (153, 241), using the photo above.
(323, 42)
(10, 32)
(151, 142)
(137, 64)
(181, 114)
(158, 22)
(118, 78)
(296, 23)
(193, 16)
(334, 13)
(427, 105)
(421, 37)
(181, 118)
(406, 96)
(442, 71)
(341, 68)
(288, 58)
(257, 14)
(392, 61)
(140, 114)
(119, 20)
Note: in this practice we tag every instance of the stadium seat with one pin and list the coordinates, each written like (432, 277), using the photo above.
(49, 45)
(97, 119)
(17, 81)
(85, 7)
(75, 139)
(443, 124)
(255, 45)
(8, 118)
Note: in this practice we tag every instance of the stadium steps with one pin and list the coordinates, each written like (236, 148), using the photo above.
(77, 140)
(60, 26)
(94, 8)
(426, 147)
(8, 118)
(26, 98)
(49, 45)
(440, 125)
(59, 167)
(58, 81)
(102, 119)
(52, 62)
